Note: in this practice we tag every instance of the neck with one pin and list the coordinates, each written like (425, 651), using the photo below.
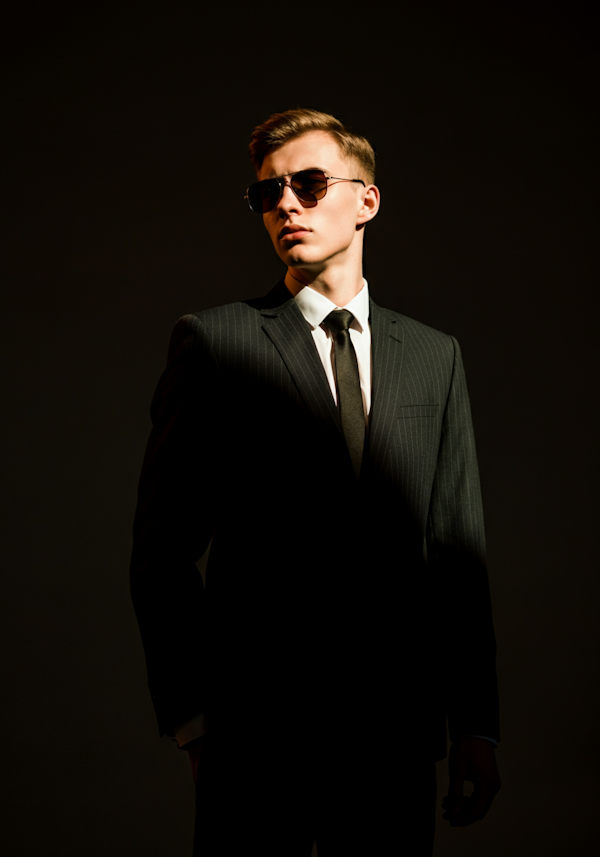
(338, 289)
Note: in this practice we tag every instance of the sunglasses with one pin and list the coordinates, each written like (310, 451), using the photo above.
(308, 185)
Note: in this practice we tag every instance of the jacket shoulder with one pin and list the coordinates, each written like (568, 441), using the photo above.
(421, 335)
(239, 314)
(224, 314)
(218, 331)
(216, 320)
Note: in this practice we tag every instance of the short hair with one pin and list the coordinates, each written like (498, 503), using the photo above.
(280, 128)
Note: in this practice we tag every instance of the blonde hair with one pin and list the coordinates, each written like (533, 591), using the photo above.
(280, 128)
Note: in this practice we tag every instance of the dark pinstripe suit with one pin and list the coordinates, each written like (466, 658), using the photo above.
(326, 599)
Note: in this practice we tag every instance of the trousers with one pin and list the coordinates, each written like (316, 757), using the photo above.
(353, 801)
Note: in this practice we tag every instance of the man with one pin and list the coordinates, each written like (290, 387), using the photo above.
(325, 445)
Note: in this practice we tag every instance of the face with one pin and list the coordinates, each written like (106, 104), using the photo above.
(329, 233)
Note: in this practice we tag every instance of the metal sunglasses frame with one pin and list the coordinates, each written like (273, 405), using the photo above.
(280, 181)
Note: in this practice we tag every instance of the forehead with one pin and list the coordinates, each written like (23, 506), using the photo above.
(313, 149)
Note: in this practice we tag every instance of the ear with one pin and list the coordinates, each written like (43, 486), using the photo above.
(370, 199)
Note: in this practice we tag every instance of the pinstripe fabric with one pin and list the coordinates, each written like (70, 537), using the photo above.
(245, 431)
(290, 334)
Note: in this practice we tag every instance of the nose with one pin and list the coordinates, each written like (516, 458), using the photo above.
(288, 201)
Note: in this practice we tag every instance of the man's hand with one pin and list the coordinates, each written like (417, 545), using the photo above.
(473, 760)
(195, 750)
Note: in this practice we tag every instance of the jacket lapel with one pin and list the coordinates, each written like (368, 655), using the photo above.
(287, 329)
(387, 351)
(289, 332)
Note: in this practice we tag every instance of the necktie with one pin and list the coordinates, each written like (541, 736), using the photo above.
(350, 400)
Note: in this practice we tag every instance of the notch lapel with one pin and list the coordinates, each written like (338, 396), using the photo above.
(290, 333)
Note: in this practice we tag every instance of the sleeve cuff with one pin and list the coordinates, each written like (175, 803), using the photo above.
(485, 738)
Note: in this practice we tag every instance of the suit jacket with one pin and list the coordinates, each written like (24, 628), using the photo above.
(331, 603)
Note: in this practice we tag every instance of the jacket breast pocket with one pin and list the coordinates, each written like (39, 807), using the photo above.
(413, 454)
(417, 431)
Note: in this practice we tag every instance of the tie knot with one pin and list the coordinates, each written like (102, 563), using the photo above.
(338, 320)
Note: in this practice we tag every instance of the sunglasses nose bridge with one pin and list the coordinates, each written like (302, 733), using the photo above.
(283, 183)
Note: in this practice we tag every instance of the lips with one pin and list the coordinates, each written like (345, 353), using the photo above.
(292, 228)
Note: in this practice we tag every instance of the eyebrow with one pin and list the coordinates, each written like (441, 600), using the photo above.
(303, 170)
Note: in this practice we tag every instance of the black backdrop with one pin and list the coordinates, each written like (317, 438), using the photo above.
(126, 166)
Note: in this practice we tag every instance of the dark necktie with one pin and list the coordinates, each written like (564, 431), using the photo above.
(350, 400)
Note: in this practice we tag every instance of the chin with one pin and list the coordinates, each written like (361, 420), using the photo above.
(297, 257)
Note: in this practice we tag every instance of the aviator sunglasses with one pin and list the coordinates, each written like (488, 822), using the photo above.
(308, 185)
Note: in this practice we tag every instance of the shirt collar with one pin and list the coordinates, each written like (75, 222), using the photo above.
(315, 307)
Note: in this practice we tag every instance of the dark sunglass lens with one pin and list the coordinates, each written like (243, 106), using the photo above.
(255, 198)
(310, 185)
(270, 194)
(263, 195)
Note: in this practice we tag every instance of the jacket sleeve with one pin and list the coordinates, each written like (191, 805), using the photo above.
(174, 522)
(456, 550)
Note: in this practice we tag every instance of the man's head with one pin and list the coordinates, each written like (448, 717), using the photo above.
(280, 128)
(323, 232)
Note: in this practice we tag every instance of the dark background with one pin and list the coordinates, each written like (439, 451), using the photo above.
(127, 165)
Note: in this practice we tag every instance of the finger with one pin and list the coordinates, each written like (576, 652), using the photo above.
(460, 818)
(480, 803)
(474, 809)
(453, 810)
(454, 799)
